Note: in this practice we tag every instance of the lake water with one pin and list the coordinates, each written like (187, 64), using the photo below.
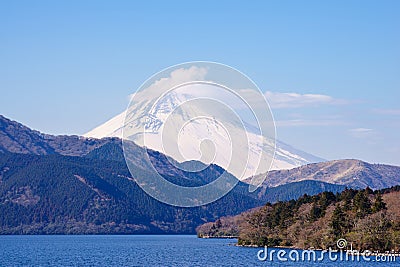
(140, 250)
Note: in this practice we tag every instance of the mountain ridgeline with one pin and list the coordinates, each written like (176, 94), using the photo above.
(77, 185)
(350, 172)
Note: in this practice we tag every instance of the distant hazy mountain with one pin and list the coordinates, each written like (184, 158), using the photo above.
(350, 172)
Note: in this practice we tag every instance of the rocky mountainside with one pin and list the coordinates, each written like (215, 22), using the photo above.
(349, 172)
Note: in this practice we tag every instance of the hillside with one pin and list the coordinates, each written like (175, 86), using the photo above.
(17, 138)
(349, 172)
(367, 219)
(61, 194)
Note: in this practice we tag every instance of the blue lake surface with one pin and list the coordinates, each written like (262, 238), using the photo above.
(142, 250)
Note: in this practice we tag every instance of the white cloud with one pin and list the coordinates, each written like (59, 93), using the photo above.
(176, 77)
(295, 100)
(361, 132)
(387, 111)
(308, 122)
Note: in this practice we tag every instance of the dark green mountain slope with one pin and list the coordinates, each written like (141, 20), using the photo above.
(60, 194)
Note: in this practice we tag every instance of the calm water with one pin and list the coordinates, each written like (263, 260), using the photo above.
(136, 251)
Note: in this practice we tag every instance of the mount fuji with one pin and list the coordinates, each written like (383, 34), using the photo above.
(153, 118)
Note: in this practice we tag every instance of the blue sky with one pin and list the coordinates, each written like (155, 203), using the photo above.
(66, 67)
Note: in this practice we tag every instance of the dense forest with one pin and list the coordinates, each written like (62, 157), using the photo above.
(368, 219)
(56, 194)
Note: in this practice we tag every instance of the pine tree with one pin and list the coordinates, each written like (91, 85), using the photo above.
(218, 223)
(316, 212)
(347, 196)
(369, 191)
(338, 222)
(362, 204)
(379, 204)
(326, 199)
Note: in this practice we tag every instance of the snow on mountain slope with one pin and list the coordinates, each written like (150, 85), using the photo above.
(111, 128)
(199, 139)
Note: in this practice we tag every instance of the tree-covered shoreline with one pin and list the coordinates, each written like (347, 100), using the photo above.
(365, 218)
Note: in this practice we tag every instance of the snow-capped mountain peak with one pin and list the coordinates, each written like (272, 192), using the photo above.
(175, 126)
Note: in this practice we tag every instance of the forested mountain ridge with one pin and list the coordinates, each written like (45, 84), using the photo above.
(62, 194)
(17, 138)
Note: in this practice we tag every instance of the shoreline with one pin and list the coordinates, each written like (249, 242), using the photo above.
(222, 237)
(350, 252)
